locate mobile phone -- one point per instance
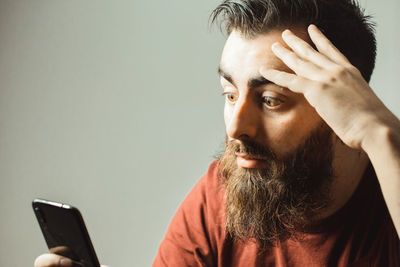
(65, 232)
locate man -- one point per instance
(311, 171)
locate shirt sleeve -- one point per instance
(190, 235)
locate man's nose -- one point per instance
(243, 122)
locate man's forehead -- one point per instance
(243, 57)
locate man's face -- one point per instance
(262, 112)
(277, 165)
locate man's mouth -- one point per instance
(249, 161)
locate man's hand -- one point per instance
(332, 85)
(344, 100)
(54, 260)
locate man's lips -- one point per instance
(249, 161)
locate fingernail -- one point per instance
(276, 45)
(286, 32)
(65, 262)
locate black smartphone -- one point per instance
(65, 232)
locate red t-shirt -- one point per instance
(360, 234)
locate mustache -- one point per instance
(250, 148)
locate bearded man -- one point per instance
(309, 146)
(311, 171)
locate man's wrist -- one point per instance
(381, 134)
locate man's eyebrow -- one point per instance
(226, 76)
(257, 81)
(252, 83)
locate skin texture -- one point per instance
(282, 127)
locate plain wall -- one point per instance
(115, 107)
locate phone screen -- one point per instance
(65, 232)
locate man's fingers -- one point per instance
(291, 81)
(53, 260)
(326, 47)
(50, 260)
(306, 51)
(299, 66)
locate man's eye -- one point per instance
(230, 97)
(272, 102)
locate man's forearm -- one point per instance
(383, 149)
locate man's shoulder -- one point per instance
(202, 211)
(209, 186)
(212, 177)
(197, 227)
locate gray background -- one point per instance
(114, 107)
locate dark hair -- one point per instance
(342, 21)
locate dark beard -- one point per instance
(270, 204)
